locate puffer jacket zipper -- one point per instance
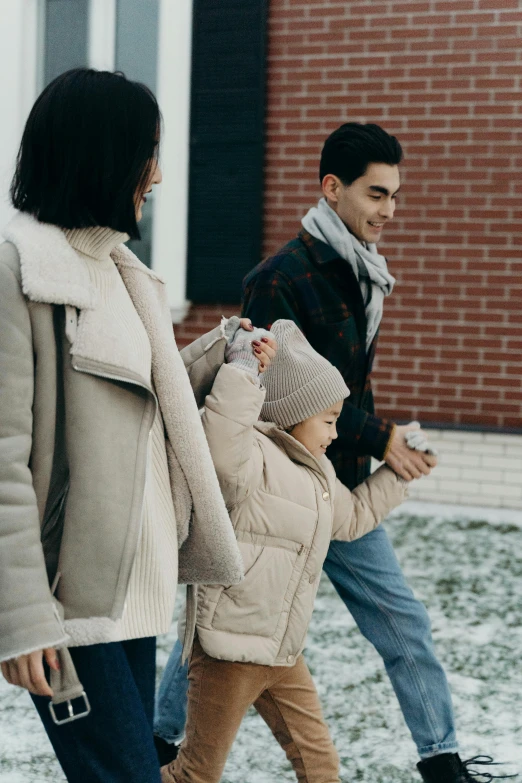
(301, 549)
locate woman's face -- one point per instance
(154, 178)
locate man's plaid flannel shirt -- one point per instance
(307, 282)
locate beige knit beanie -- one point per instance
(300, 382)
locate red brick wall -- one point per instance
(445, 77)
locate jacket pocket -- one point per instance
(254, 606)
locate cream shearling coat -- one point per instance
(75, 419)
(286, 506)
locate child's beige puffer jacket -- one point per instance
(286, 507)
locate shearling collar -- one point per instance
(51, 270)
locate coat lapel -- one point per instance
(209, 553)
(51, 271)
(325, 257)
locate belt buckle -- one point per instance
(72, 715)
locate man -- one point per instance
(332, 282)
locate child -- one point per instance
(286, 505)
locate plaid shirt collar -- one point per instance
(320, 251)
(323, 254)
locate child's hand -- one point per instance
(251, 349)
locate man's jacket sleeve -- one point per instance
(269, 296)
(368, 434)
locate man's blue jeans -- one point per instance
(369, 579)
(114, 743)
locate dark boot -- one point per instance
(166, 751)
(449, 768)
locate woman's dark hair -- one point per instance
(349, 150)
(87, 149)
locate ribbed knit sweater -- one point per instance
(151, 593)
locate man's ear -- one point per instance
(330, 186)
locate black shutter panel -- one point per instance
(226, 147)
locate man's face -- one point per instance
(368, 203)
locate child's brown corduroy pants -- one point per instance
(220, 694)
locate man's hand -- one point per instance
(407, 463)
(27, 671)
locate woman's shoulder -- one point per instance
(9, 260)
(10, 277)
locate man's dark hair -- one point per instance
(88, 147)
(349, 150)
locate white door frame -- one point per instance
(169, 231)
(102, 34)
(21, 49)
(169, 227)
(21, 35)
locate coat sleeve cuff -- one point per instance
(31, 633)
(390, 439)
(376, 437)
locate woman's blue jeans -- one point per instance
(114, 743)
(369, 579)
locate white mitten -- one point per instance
(417, 441)
(240, 353)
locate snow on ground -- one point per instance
(466, 565)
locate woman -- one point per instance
(104, 467)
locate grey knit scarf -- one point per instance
(369, 267)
